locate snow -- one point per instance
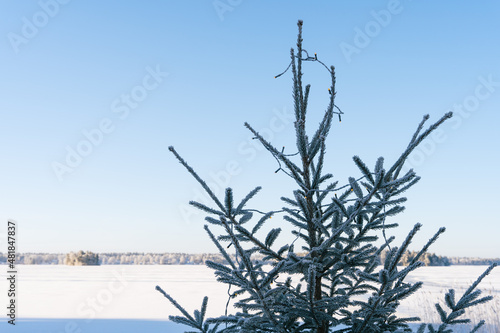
(122, 298)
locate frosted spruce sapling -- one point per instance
(338, 225)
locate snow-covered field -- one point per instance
(72, 299)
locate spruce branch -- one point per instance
(416, 140)
(199, 316)
(294, 170)
(195, 175)
(253, 279)
(246, 199)
(468, 299)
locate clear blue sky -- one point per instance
(139, 76)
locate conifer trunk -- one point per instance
(317, 296)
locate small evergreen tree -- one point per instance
(337, 224)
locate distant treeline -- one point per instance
(429, 259)
(129, 258)
(137, 258)
(81, 258)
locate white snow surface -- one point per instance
(122, 298)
